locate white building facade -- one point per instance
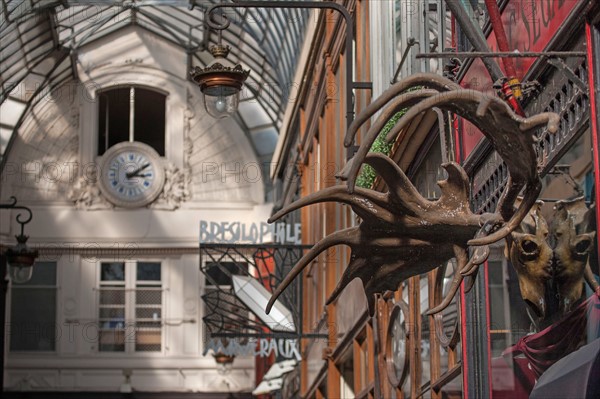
(114, 304)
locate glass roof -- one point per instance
(41, 38)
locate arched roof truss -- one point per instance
(41, 38)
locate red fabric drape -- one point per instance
(546, 347)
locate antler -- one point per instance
(403, 234)
(511, 136)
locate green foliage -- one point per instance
(367, 175)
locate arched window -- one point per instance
(131, 114)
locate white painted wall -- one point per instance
(60, 135)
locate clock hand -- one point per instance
(129, 175)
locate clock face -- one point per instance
(132, 174)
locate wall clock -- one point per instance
(132, 174)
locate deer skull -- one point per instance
(531, 256)
(574, 241)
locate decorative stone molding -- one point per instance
(74, 117)
(86, 195)
(101, 250)
(189, 115)
(175, 190)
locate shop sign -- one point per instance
(263, 347)
(249, 233)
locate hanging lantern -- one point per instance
(220, 82)
(20, 260)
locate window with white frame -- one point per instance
(33, 311)
(131, 114)
(130, 306)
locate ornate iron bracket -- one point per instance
(409, 44)
(20, 258)
(22, 222)
(351, 85)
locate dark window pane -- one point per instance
(149, 120)
(33, 311)
(148, 313)
(112, 340)
(148, 271)
(44, 273)
(113, 118)
(220, 273)
(148, 297)
(113, 271)
(112, 297)
(102, 123)
(112, 313)
(33, 319)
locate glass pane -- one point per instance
(453, 390)
(148, 297)
(113, 271)
(148, 325)
(44, 273)
(112, 341)
(347, 375)
(33, 319)
(112, 313)
(112, 296)
(150, 119)
(147, 340)
(148, 271)
(113, 118)
(364, 361)
(148, 313)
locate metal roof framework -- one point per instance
(41, 38)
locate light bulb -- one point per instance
(221, 104)
(20, 274)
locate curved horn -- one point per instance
(399, 185)
(470, 281)
(347, 278)
(405, 100)
(550, 119)
(529, 198)
(346, 236)
(455, 189)
(377, 202)
(461, 259)
(427, 80)
(480, 255)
